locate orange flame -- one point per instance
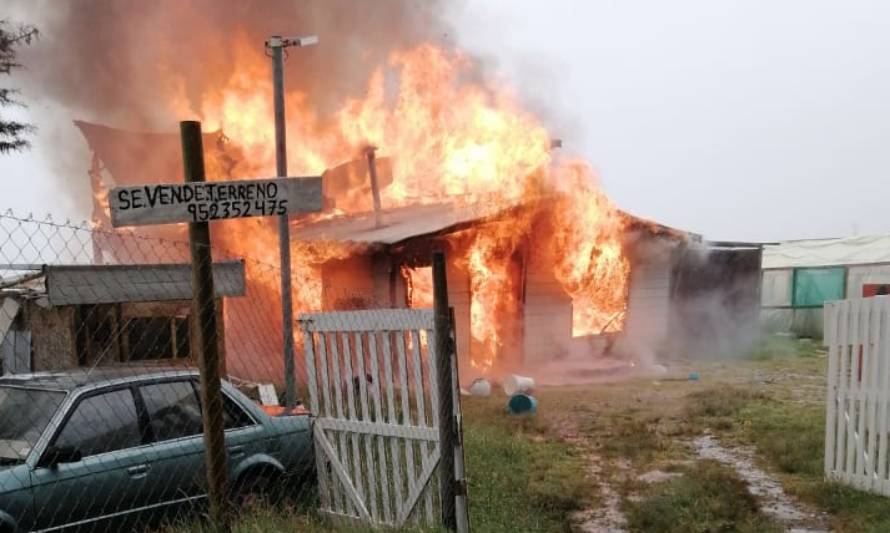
(450, 138)
(419, 282)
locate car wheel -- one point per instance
(254, 489)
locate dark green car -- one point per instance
(108, 450)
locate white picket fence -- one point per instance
(373, 391)
(857, 333)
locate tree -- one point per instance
(12, 36)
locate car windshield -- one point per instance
(24, 414)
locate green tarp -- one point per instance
(815, 286)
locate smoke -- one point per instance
(716, 303)
(113, 59)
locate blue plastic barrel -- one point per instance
(522, 404)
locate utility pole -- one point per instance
(206, 336)
(277, 44)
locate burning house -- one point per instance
(541, 263)
(557, 272)
(533, 317)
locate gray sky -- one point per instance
(754, 119)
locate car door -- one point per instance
(245, 438)
(177, 450)
(109, 482)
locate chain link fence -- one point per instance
(101, 423)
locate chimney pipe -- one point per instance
(375, 190)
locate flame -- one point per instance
(587, 250)
(419, 282)
(452, 134)
(492, 288)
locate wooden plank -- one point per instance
(843, 382)
(170, 203)
(391, 407)
(396, 431)
(8, 312)
(417, 488)
(419, 394)
(368, 439)
(406, 405)
(861, 389)
(320, 467)
(94, 284)
(378, 419)
(370, 320)
(884, 399)
(852, 389)
(349, 491)
(434, 380)
(336, 499)
(871, 434)
(341, 445)
(311, 378)
(460, 499)
(831, 333)
(350, 396)
(433, 363)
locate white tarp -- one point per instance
(775, 291)
(825, 252)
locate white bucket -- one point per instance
(515, 384)
(480, 387)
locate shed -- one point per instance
(55, 317)
(800, 276)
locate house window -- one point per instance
(105, 337)
(157, 337)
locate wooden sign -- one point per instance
(213, 200)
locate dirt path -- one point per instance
(606, 516)
(774, 501)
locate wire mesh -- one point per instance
(101, 422)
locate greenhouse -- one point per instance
(798, 277)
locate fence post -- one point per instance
(206, 335)
(445, 350)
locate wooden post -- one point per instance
(375, 189)
(461, 506)
(447, 429)
(206, 336)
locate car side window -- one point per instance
(102, 423)
(173, 409)
(234, 415)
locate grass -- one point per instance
(788, 433)
(522, 477)
(791, 440)
(530, 473)
(706, 497)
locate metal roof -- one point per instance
(398, 224)
(94, 284)
(403, 223)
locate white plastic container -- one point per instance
(480, 387)
(515, 384)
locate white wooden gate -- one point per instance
(373, 391)
(857, 333)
